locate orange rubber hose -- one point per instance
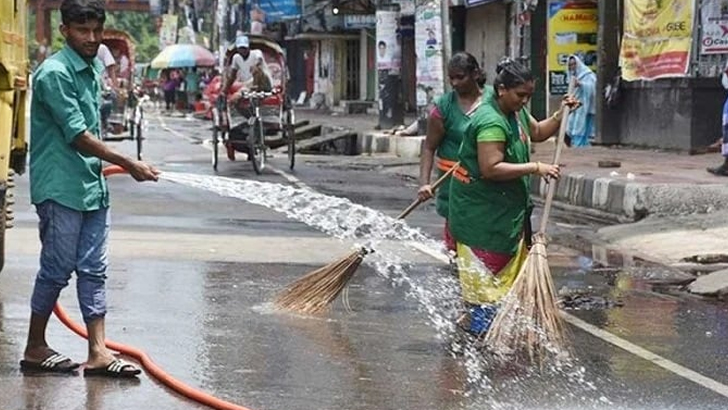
(152, 368)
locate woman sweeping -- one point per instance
(581, 122)
(489, 212)
(446, 124)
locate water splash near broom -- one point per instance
(314, 292)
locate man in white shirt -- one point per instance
(243, 63)
(107, 59)
(109, 79)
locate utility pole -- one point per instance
(221, 22)
(609, 34)
(446, 40)
(389, 64)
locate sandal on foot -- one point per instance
(720, 171)
(116, 369)
(55, 363)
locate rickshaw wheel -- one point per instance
(256, 146)
(215, 147)
(137, 125)
(290, 138)
(139, 140)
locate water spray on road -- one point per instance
(437, 295)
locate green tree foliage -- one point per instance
(141, 27)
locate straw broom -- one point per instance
(314, 292)
(529, 319)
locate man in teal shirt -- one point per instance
(70, 192)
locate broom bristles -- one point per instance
(528, 320)
(314, 292)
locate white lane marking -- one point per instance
(207, 144)
(173, 132)
(645, 354)
(290, 178)
(630, 347)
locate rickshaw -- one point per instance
(127, 116)
(271, 121)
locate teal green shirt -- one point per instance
(65, 103)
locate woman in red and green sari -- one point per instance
(490, 209)
(446, 124)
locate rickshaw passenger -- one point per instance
(110, 83)
(244, 63)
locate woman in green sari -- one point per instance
(489, 213)
(446, 123)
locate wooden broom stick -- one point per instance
(565, 110)
(436, 185)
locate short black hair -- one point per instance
(382, 43)
(511, 74)
(82, 11)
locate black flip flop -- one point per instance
(116, 369)
(55, 363)
(719, 171)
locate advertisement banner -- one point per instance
(168, 31)
(428, 47)
(714, 22)
(388, 48)
(657, 38)
(572, 28)
(278, 10)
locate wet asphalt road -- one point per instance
(193, 276)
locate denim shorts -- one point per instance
(72, 241)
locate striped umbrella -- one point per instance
(184, 55)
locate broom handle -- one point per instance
(565, 110)
(434, 186)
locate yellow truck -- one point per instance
(14, 84)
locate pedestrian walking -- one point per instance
(490, 205)
(169, 87)
(722, 170)
(192, 85)
(581, 122)
(446, 124)
(70, 193)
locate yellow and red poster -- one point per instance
(572, 31)
(657, 38)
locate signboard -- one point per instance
(406, 7)
(430, 56)
(168, 31)
(155, 7)
(276, 10)
(572, 28)
(657, 38)
(714, 22)
(359, 21)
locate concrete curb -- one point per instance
(610, 198)
(382, 143)
(631, 200)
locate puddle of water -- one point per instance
(437, 295)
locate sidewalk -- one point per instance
(648, 182)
